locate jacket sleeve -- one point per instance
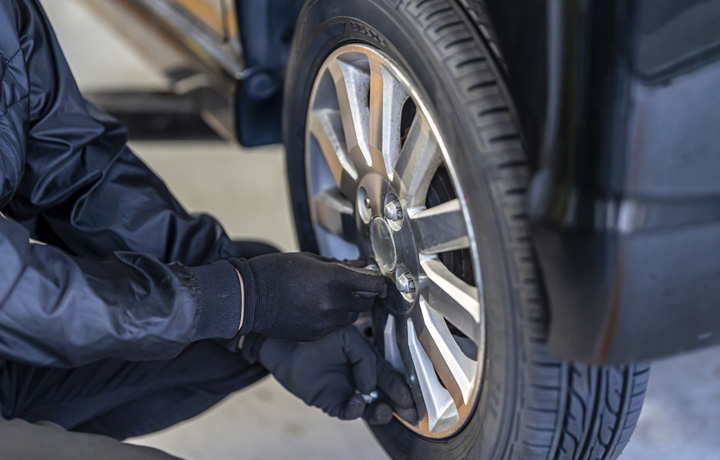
(83, 189)
(59, 310)
(107, 289)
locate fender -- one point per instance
(625, 200)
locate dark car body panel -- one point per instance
(625, 201)
(266, 30)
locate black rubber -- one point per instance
(531, 406)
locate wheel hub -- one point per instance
(384, 239)
(383, 245)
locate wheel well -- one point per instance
(266, 31)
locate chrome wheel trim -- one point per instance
(367, 187)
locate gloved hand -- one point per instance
(303, 296)
(326, 373)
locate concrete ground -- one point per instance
(246, 191)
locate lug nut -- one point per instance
(393, 211)
(405, 283)
(367, 202)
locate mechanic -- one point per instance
(135, 315)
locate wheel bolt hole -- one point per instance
(364, 205)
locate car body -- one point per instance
(619, 107)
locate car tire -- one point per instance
(530, 404)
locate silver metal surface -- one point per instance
(392, 351)
(383, 245)
(442, 413)
(371, 163)
(372, 266)
(393, 211)
(405, 283)
(369, 398)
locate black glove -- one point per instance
(304, 296)
(326, 373)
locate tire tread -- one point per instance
(569, 411)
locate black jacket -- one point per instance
(126, 273)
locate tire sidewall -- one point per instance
(326, 25)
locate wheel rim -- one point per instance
(373, 154)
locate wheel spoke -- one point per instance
(419, 158)
(440, 407)
(325, 126)
(392, 351)
(456, 300)
(441, 228)
(387, 97)
(352, 85)
(334, 213)
(455, 369)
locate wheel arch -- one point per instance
(612, 208)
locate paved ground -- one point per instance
(246, 191)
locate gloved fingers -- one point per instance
(361, 270)
(409, 415)
(336, 320)
(360, 267)
(362, 358)
(352, 317)
(381, 293)
(312, 255)
(396, 392)
(378, 413)
(366, 294)
(272, 352)
(393, 385)
(359, 303)
(362, 279)
(357, 263)
(352, 409)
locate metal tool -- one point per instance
(369, 398)
(372, 266)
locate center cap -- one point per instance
(383, 245)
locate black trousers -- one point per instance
(122, 399)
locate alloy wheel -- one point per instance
(382, 188)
